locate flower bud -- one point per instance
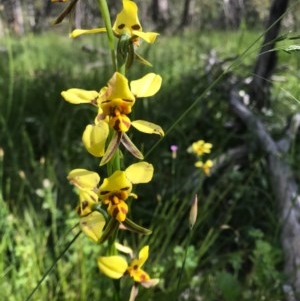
(193, 212)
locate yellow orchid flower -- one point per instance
(200, 147)
(95, 135)
(116, 266)
(91, 222)
(114, 103)
(117, 99)
(86, 182)
(116, 189)
(126, 23)
(206, 166)
(134, 269)
(87, 199)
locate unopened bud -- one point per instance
(1, 153)
(193, 212)
(22, 174)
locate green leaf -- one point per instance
(229, 286)
(133, 227)
(292, 48)
(142, 60)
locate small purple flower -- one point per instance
(174, 149)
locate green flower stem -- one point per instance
(113, 251)
(111, 241)
(181, 272)
(1, 174)
(123, 52)
(114, 163)
(122, 68)
(117, 286)
(110, 233)
(111, 39)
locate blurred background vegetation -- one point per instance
(26, 16)
(235, 253)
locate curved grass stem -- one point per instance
(52, 266)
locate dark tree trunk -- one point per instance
(161, 13)
(233, 11)
(18, 24)
(79, 14)
(186, 14)
(14, 16)
(266, 60)
(41, 16)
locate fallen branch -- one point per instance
(284, 187)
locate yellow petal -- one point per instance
(127, 19)
(77, 96)
(120, 123)
(112, 266)
(143, 255)
(100, 117)
(118, 88)
(199, 164)
(209, 163)
(88, 197)
(147, 127)
(118, 211)
(92, 225)
(83, 178)
(78, 32)
(141, 172)
(94, 138)
(138, 275)
(146, 86)
(117, 181)
(149, 37)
